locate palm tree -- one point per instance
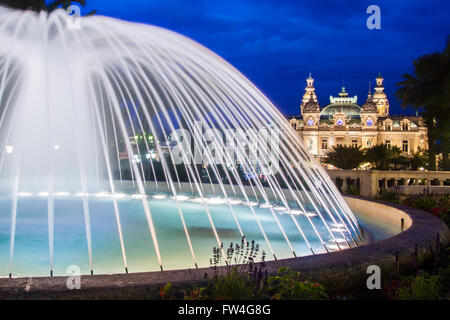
(384, 157)
(418, 160)
(40, 5)
(344, 157)
(428, 91)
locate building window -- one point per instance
(405, 126)
(354, 143)
(310, 144)
(324, 144)
(294, 125)
(388, 143)
(405, 146)
(369, 143)
(388, 127)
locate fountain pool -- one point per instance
(31, 243)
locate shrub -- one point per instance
(425, 202)
(353, 190)
(240, 278)
(391, 196)
(421, 287)
(287, 285)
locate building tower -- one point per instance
(380, 98)
(309, 90)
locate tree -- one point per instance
(344, 157)
(40, 5)
(428, 91)
(383, 157)
(418, 160)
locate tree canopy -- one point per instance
(41, 5)
(428, 91)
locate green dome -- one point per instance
(351, 110)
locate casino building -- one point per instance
(344, 122)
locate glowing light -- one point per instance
(180, 198)
(62, 194)
(234, 201)
(102, 194)
(338, 230)
(43, 194)
(215, 201)
(9, 149)
(81, 194)
(24, 194)
(198, 200)
(159, 196)
(265, 205)
(56, 147)
(137, 196)
(310, 214)
(338, 225)
(280, 208)
(251, 204)
(119, 195)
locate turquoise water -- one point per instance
(31, 253)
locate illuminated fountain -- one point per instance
(113, 124)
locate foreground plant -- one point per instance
(237, 276)
(288, 285)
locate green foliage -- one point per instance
(428, 91)
(287, 285)
(420, 287)
(426, 203)
(419, 159)
(239, 278)
(390, 196)
(233, 286)
(236, 276)
(344, 157)
(438, 205)
(383, 157)
(165, 292)
(194, 293)
(353, 190)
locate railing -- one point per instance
(371, 182)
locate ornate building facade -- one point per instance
(344, 122)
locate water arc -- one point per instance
(118, 110)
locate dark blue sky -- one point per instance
(276, 43)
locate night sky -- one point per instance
(276, 43)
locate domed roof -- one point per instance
(351, 110)
(342, 104)
(311, 105)
(369, 105)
